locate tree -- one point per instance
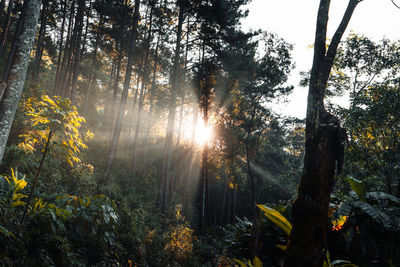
(323, 151)
(121, 113)
(16, 78)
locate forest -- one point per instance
(141, 133)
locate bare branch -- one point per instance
(396, 5)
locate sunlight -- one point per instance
(203, 134)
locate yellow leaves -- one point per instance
(283, 247)
(39, 204)
(16, 185)
(233, 186)
(277, 218)
(20, 184)
(180, 243)
(58, 115)
(18, 196)
(17, 203)
(256, 263)
(338, 224)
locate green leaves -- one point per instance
(357, 186)
(277, 218)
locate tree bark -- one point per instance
(16, 78)
(124, 97)
(6, 26)
(40, 45)
(16, 39)
(145, 81)
(60, 47)
(92, 69)
(77, 53)
(307, 244)
(167, 153)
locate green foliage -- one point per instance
(68, 231)
(277, 218)
(371, 227)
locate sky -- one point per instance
(295, 21)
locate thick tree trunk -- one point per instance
(16, 78)
(307, 244)
(124, 97)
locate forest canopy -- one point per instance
(142, 133)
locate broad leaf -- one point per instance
(357, 186)
(277, 218)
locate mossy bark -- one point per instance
(15, 80)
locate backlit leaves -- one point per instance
(59, 116)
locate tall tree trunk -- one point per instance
(60, 47)
(63, 83)
(167, 153)
(182, 85)
(124, 97)
(145, 81)
(40, 43)
(307, 244)
(221, 218)
(77, 54)
(92, 68)
(149, 122)
(84, 41)
(6, 26)
(16, 78)
(15, 41)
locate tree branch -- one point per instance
(330, 55)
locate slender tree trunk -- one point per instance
(6, 26)
(114, 111)
(40, 43)
(16, 39)
(307, 245)
(221, 218)
(36, 179)
(152, 93)
(63, 84)
(77, 54)
(60, 47)
(16, 78)
(145, 81)
(2, 5)
(108, 104)
(252, 184)
(167, 153)
(182, 86)
(92, 69)
(84, 42)
(124, 97)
